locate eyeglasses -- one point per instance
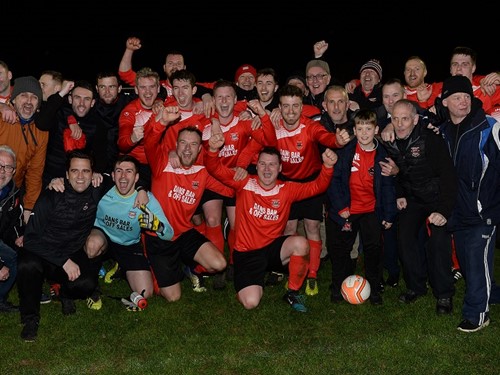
(7, 168)
(317, 77)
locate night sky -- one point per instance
(81, 38)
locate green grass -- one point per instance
(210, 333)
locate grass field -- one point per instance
(210, 333)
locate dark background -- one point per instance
(82, 38)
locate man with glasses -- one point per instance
(10, 226)
(318, 78)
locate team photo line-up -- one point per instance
(249, 180)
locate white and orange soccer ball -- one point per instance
(355, 289)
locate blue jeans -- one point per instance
(9, 257)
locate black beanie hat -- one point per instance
(27, 84)
(456, 84)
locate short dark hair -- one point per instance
(271, 151)
(224, 83)
(191, 129)
(85, 85)
(291, 90)
(128, 158)
(183, 75)
(79, 153)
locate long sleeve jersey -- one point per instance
(261, 214)
(118, 218)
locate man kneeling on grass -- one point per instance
(262, 208)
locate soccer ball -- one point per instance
(355, 289)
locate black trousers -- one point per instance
(340, 244)
(434, 263)
(33, 270)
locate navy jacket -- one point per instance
(339, 195)
(475, 151)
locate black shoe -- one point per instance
(392, 281)
(274, 278)
(444, 306)
(45, 298)
(8, 307)
(468, 326)
(381, 287)
(219, 281)
(408, 297)
(336, 298)
(30, 330)
(68, 306)
(376, 299)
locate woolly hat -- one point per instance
(27, 84)
(318, 63)
(245, 68)
(456, 84)
(372, 64)
(298, 76)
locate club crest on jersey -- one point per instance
(234, 137)
(195, 185)
(275, 203)
(299, 145)
(132, 214)
(415, 151)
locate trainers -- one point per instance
(94, 304)
(295, 300)
(274, 278)
(8, 307)
(467, 326)
(45, 298)
(196, 280)
(392, 281)
(108, 278)
(30, 330)
(68, 306)
(311, 287)
(457, 275)
(219, 281)
(54, 290)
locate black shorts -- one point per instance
(129, 257)
(167, 258)
(208, 195)
(250, 267)
(310, 208)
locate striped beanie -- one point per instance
(372, 64)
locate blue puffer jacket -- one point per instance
(339, 196)
(476, 156)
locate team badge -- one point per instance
(415, 151)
